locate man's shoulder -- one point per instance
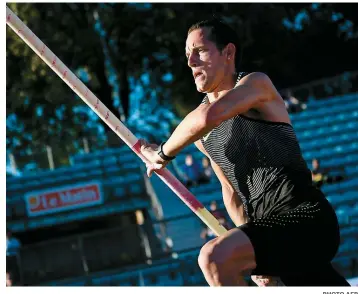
(260, 80)
(255, 77)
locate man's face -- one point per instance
(205, 162)
(315, 164)
(188, 160)
(208, 65)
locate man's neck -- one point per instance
(221, 90)
(213, 96)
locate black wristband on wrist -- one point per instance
(162, 155)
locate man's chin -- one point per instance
(200, 89)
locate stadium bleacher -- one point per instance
(327, 130)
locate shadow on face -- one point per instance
(209, 66)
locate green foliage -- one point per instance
(150, 38)
(42, 103)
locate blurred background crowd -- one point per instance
(80, 209)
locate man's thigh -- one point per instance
(287, 250)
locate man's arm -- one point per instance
(253, 92)
(232, 201)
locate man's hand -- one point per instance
(150, 151)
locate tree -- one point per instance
(41, 107)
(133, 56)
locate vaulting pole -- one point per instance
(108, 117)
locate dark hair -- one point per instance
(221, 34)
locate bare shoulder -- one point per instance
(272, 107)
(260, 80)
(255, 77)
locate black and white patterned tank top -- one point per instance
(263, 162)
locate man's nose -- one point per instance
(192, 61)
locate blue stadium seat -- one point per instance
(349, 246)
(352, 169)
(347, 196)
(110, 160)
(323, 131)
(324, 112)
(349, 231)
(332, 101)
(327, 129)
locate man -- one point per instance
(285, 226)
(321, 176)
(217, 213)
(192, 171)
(293, 105)
(318, 175)
(207, 170)
(13, 245)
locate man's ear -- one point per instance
(230, 51)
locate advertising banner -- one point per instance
(61, 199)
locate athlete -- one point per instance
(285, 227)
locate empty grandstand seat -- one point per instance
(348, 247)
(352, 169)
(331, 140)
(327, 129)
(332, 106)
(349, 232)
(340, 187)
(331, 101)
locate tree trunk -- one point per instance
(104, 93)
(112, 139)
(124, 88)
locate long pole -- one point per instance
(107, 116)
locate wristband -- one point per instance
(162, 155)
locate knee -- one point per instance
(224, 255)
(210, 254)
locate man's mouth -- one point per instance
(198, 75)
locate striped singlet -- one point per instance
(263, 162)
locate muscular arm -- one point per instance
(232, 201)
(253, 92)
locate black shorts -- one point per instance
(303, 241)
